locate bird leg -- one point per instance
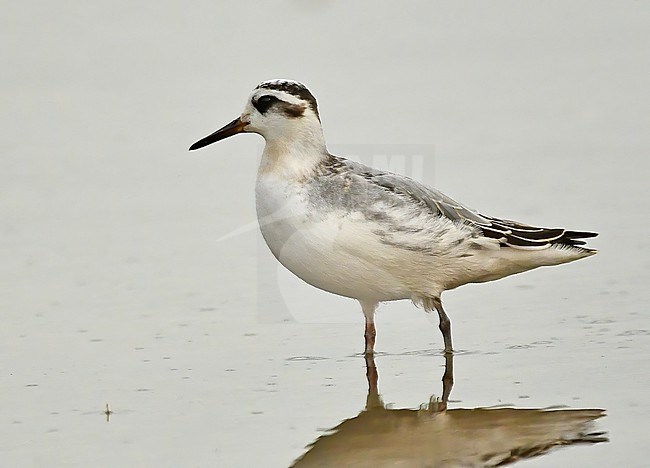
(445, 324)
(370, 335)
(370, 332)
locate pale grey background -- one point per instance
(115, 289)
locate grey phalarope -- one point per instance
(372, 235)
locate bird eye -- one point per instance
(263, 103)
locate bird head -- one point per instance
(278, 110)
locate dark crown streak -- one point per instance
(295, 89)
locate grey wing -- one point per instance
(509, 233)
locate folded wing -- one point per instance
(508, 233)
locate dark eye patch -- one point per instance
(264, 103)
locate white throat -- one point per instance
(294, 152)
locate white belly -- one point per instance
(331, 251)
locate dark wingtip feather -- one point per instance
(580, 234)
(572, 238)
(523, 236)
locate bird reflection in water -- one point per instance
(435, 436)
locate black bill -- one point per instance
(234, 127)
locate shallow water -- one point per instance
(122, 286)
(436, 435)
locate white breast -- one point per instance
(327, 249)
